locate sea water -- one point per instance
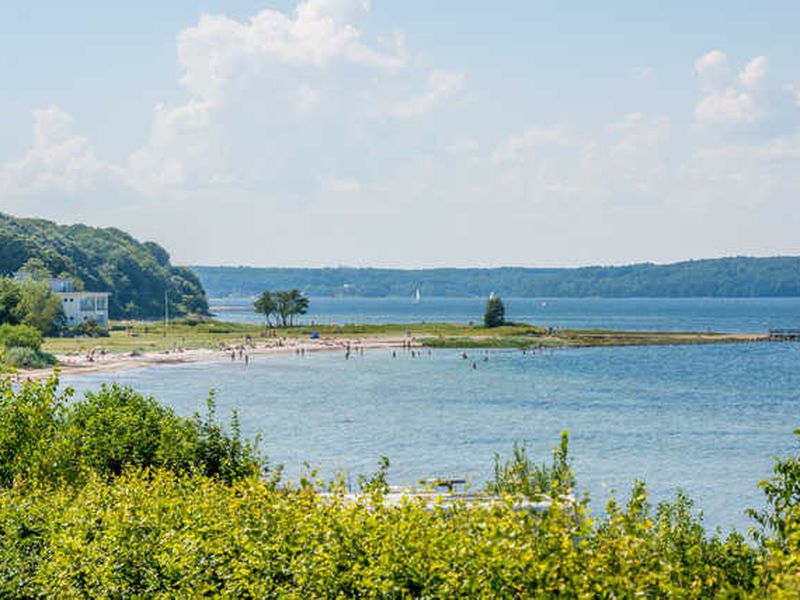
(651, 314)
(708, 419)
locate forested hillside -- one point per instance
(724, 277)
(137, 274)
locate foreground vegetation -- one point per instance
(114, 495)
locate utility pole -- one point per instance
(166, 313)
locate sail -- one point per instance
(417, 297)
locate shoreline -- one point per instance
(110, 362)
(98, 360)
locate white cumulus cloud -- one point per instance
(731, 100)
(59, 159)
(442, 86)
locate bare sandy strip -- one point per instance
(99, 362)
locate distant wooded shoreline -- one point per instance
(738, 277)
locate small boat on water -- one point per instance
(417, 296)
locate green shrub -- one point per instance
(109, 431)
(115, 496)
(520, 475)
(780, 518)
(90, 328)
(20, 336)
(27, 358)
(155, 533)
(29, 420)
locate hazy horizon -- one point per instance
(496, 266)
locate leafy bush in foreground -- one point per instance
(47, 437)
(159, 534)
(115, 496)
(520, 475)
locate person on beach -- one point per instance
(246, 359)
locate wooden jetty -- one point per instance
(784, 335)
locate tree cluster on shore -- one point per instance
(284, 305)
(105, 260)
(28, 311)
(114, 495)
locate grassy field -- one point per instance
(138, 336)
(129, 336)
(150, 337)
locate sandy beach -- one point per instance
(99, 361)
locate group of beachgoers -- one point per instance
(243, 353)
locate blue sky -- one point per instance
(411, 133)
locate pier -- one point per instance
(784, 335)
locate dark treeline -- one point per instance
(724, 277)
(106, 260)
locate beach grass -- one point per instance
(141, 336)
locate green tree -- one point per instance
(298, 304)
(289, 304)
(282, 306)
(495, 314)
(9, 298)
(40, 308)
(266, 305)
(36, 268)
(20, 336)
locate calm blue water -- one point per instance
(660, 314)
(706, 418)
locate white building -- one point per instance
(82, 306)
(78, 306)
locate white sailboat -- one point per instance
(417, 296)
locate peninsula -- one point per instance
(133, 344)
